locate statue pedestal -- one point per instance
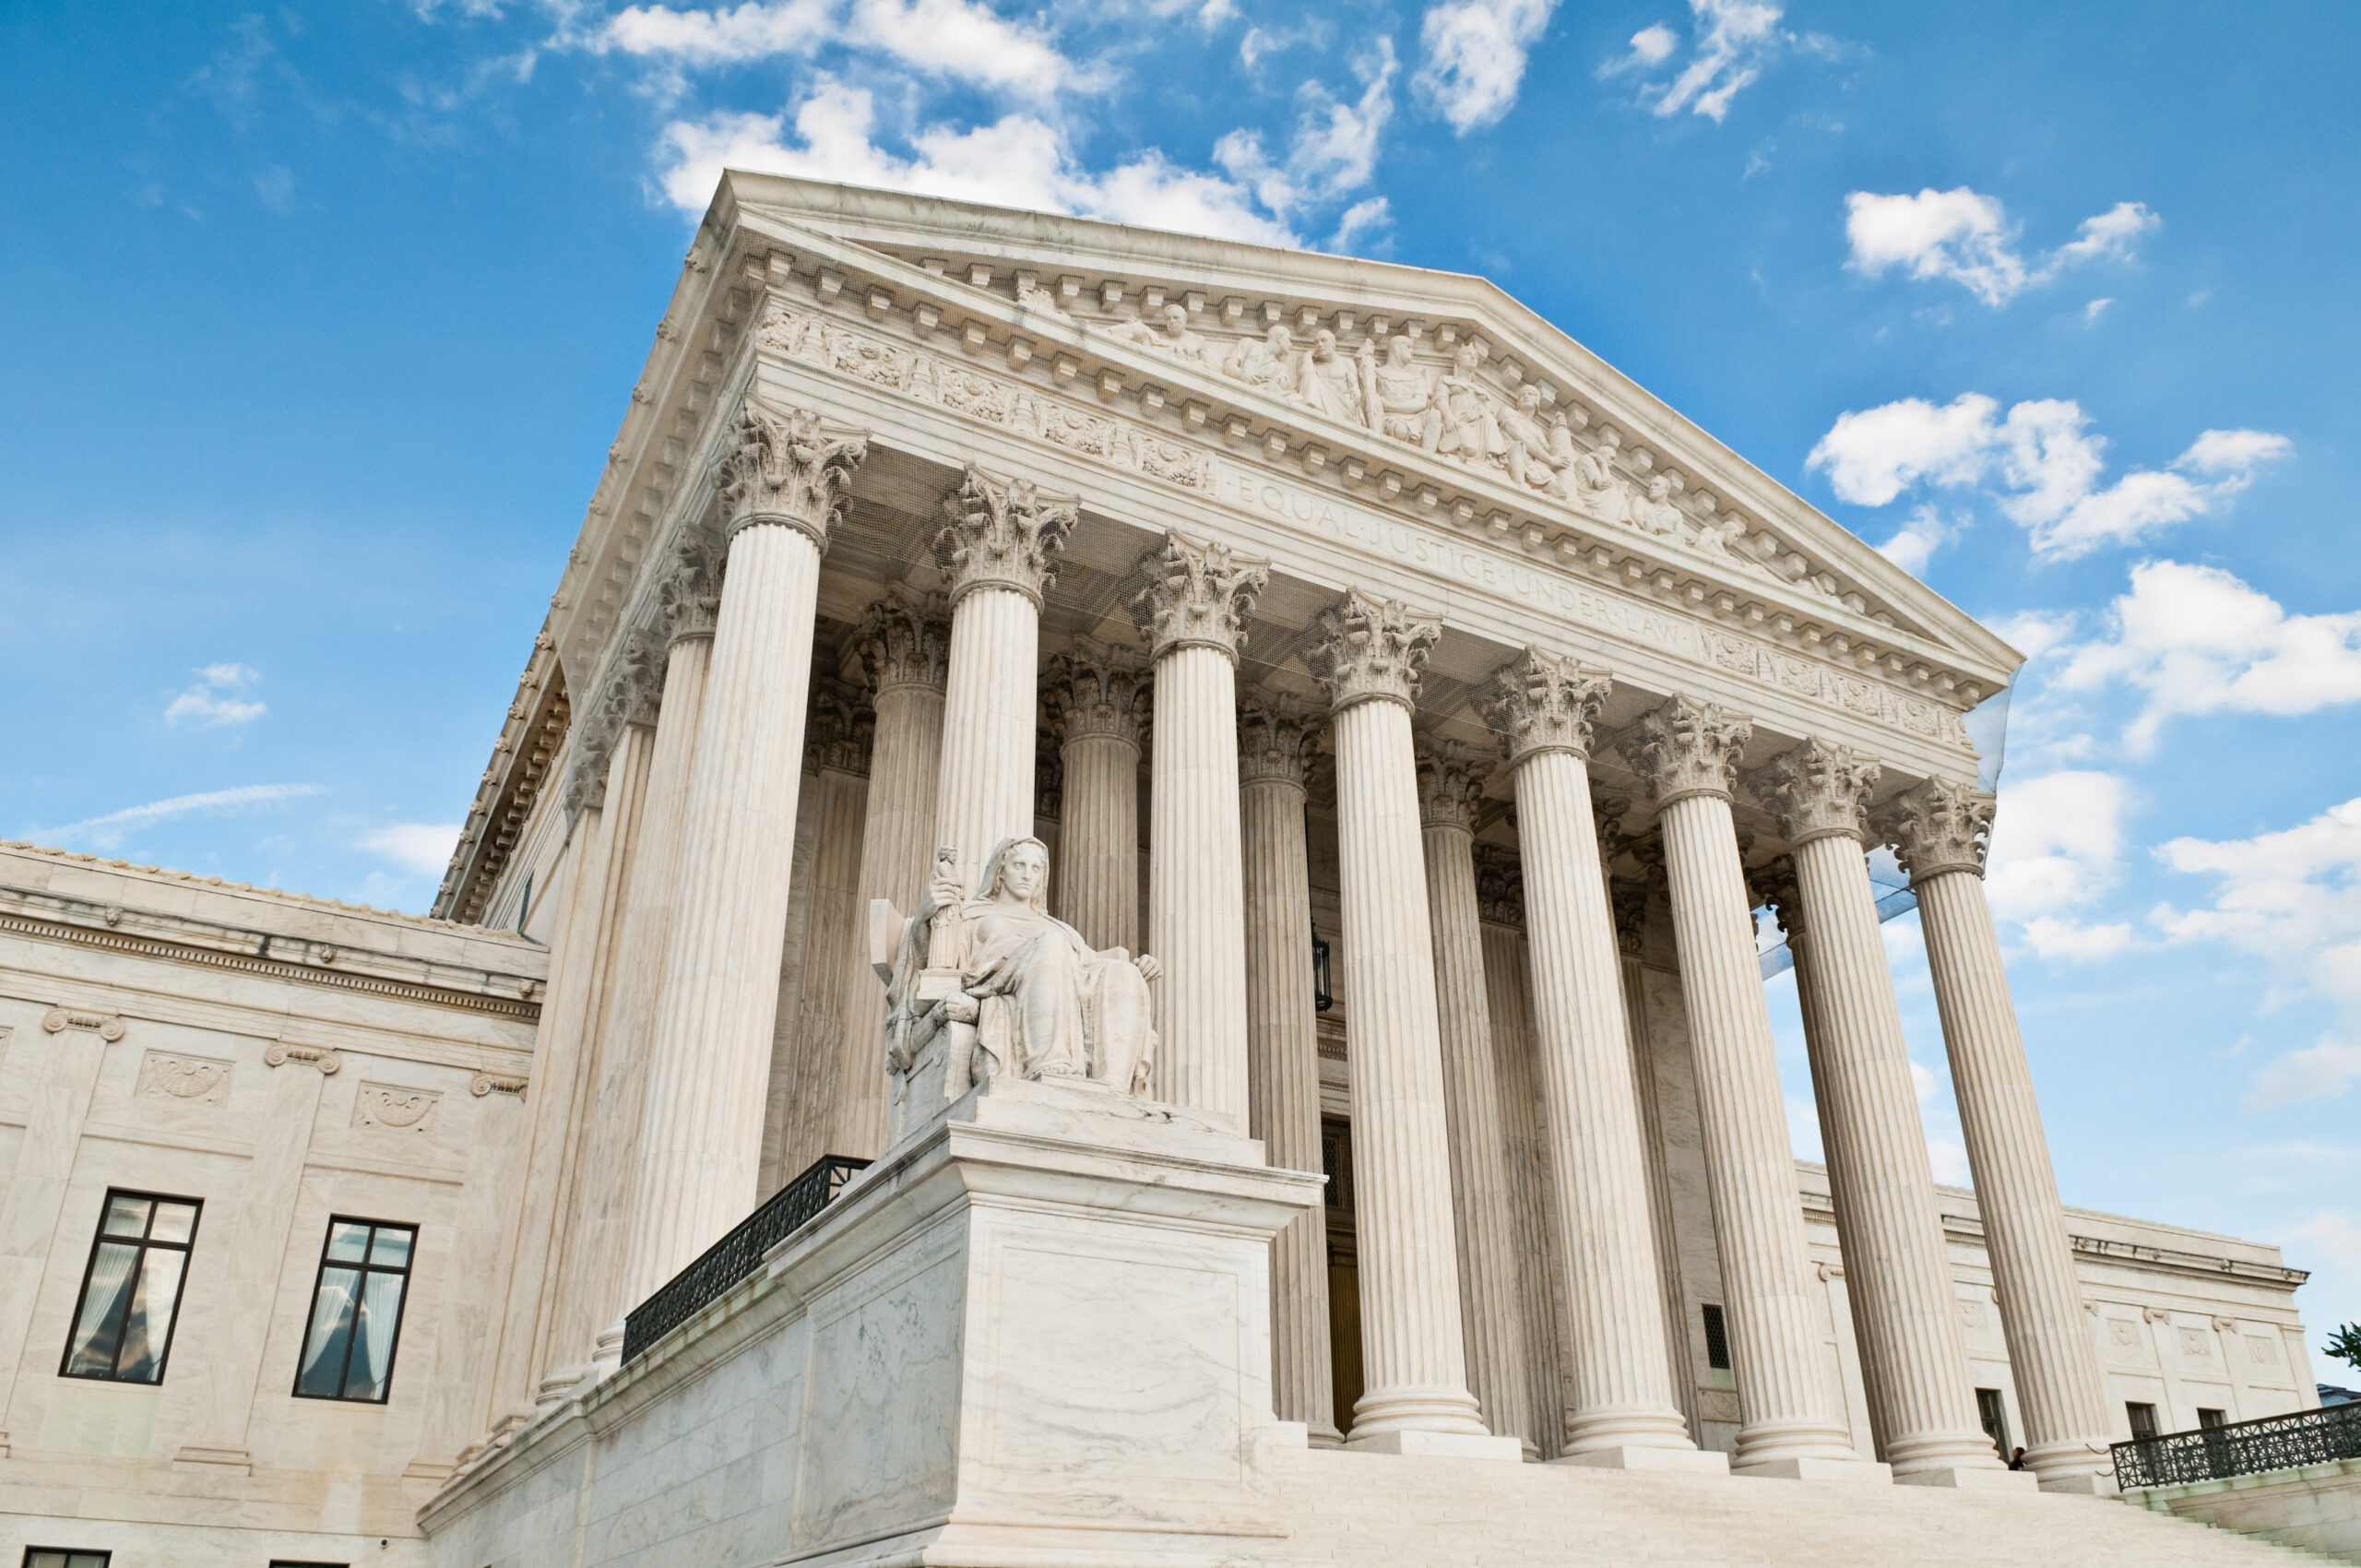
(1039, 1334)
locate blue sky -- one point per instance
(315, 322)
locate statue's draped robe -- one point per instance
(1052, 1006)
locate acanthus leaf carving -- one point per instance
(904, 639)
(1542, 702)
(1097, 689)
(1002, 533)
(1817, 790)
(1199, 593)
(1363, 648)
(787, 466)
(1499, 886)
(1683, 747)
(1451, 782)
(1939, 825)
(1277, 737)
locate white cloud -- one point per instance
(2034, 632)
(2314, 1073)
(2196, 640)
(2057, 845)
(1732, 40)
(1018, 161)
(1475, 56)
(213, 700)
(1915, 543)
(1333, 150)
(1949, 1158)
(418, 846)
(1965, 236)
(2072, 941)
(954, 39)
(107, 832)
(2090, 312)
(2047, 463)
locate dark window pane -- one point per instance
(175, 1223)
(106, 1301)
(43, 1557)
(126, 1216)
(372, 1348)
(330, 1335)
(150, 1321)
(392, 1248)
(348, 1242)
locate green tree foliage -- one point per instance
(2345, 1343)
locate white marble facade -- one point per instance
(1268, 596)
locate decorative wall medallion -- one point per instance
(1972, 1314)
(2122, 1332)
(2260, 1349)
(198, 1079)
(279, 1054)
(106, 1026)
(2192, 1342)
(387, 1105)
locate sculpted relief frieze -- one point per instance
(1003, 402)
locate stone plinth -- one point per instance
(1037, 1332)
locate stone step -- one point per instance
(1383, 1511)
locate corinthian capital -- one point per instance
(1543, 702)
(1774, 887)
(1451, 782)
(1940, 825)
(1097, 690)
(787, 467)
(1199, 593)
(1275, 739)
(1682, 748)
(1817, 791)
(904, 640)
(688, 597)
(840, 730)
(1002, 533)
(1363, 646)
(1499, 886)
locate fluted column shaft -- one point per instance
(2058, 1385)
(1283, 1065)
(985, 792)
(830, 1070)
(1493, 1314)
(1099, 838)
(1906, 1314)
(1532, 1206)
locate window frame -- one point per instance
(99, 1238)
(2155, 1429)
(1716, 1325)
(1992, 1409)
(105, 1557)
(311, 1307)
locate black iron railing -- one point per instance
(2244, 1448)
(736, 1254)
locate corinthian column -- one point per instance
(903, 645)
(782, 486)
(1095, 699)
(1940, 828)
(1897, 1279)
(1448, 786)
(1283, 1050)
(1192, 611)
(1687, 751)
(1367, 652)
(1623, 1412)
(998, 546)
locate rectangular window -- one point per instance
(1717, 1339)
(58, 1556)
(2207, 1420)
(355, 1311)
(131, 1292)
(1995, 1415)
(2144, 1421)
(290, 1562)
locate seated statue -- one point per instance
(980, 986)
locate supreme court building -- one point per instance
(1053, 739)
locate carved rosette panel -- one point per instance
(840, 731)
(1941, 824)
(1097, 690)
(1002, 533)
(1451, 783)
(1199, 593)
(1817, 791)
(192, 1080)
(904, 639)
(1276, 739)
(1544, 702)
(788, 466)
(396, 1109)
(1499, 886)
(1364, 647)
(1683, 747)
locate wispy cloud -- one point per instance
(1731, 43)
(954, 40)
(107, 832)
(1966, 237)
(418, 846)
(214, 701)
(1475, 57)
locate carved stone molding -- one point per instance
(1363, 648)
(788, 466)
(1097, 689)
(497, 1083)
(1544, 702)
(106, 1026)
(1682, 747)
(1049, 777)
(1628, 900)
(1199, 593)
(1277, 737)
(1451, 782)
(1817, 791)
(197, 1080)
(688, 595)
(280, 1052)
(396, 1109)
(1499, 886)
(629, 693)
(904, 639)
(1002, 533)
(840, 731)
(1774, 888)
(1941, 824)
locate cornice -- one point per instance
(530, 737)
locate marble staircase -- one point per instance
(1380, 1510)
